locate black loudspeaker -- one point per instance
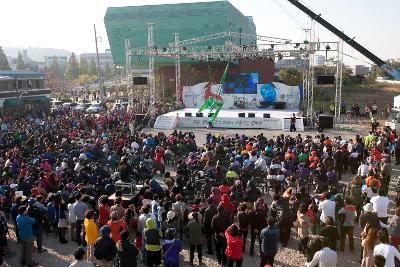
(251, 115)
(325, 79)
(188, 114)
(242, 115)
(210, 115)
(325, 122)
(279, 105)
(199, 115)
(140, 80)
(267, 115)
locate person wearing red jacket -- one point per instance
(234, 246)
(227, 204)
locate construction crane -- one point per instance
(350, 41)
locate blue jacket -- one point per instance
(269, 241)
(171, 249)
(25, 223)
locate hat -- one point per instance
(31, 201)
(368, 207)
(171, 214)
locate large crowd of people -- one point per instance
(225, 195)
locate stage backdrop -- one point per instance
(194, 96)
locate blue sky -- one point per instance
(69, 24)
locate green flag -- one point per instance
(221, 83)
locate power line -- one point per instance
(347, 55)
(289, 14)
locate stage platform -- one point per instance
(230, 118)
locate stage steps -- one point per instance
(165, 122)
(299, 125)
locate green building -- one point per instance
(189, 19)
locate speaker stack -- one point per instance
(251, 115)
(266, 115)
(199, 115)
(188, 114)
(325, 122)
(242, 115)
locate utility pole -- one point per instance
(177, 69)
(101, 94)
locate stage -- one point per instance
(230, 118)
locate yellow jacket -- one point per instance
(91, 231)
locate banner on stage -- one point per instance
(266, 94)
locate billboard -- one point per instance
(241, 83)
(194, 96)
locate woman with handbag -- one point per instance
(60, 218)
(171, 247)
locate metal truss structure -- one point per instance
(277, 48)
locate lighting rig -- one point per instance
(274, 49)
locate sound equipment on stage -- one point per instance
(242, 115)
(279, 105)
(199, 115)
(325, 121)
(188, 114)
(267, 115)
(325, 79)
(251, 115)
(210, 115)
(140, 80)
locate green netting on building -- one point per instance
(190, 20)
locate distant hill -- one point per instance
(36, 53)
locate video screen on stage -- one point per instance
(241, 83)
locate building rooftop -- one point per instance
(21, 74)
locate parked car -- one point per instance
(69, 105)
(96, 108)
(81, 107)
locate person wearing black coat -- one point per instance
(257, 223)
(284, 217)
(38, 215)
(244, 218)
(105, 249)
(127, 252)
(209, 213)
(219, 224)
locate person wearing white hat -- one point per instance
(171, 222)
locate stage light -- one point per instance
(244, 46)
(184, 48)
(272, 46)
(328, 47)
(297, 45)
(306, 42)
(280, 56)
(164, 49)
(209, 47)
